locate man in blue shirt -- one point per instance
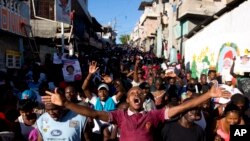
(60, 124)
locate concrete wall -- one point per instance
(229, 33)
(200, 7)
(44, 29)
(150, 26)
(45, 50)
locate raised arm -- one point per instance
(214, 92)
(86, 111)
(85, 86)
(130, 73)
(232, 68)
(135, 75)
(56, 99)
(120, 91)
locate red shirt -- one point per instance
(139, 126)
(2, 116)
(179, 56)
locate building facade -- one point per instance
(174, 22)
(13, 14)
(218, 40)
(53, 36)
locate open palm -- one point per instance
(54, 98)
(107, 79)
(93, 67)
(219, 92)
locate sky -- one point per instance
(121, 14)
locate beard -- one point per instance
(224, 74)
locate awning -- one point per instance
(145, 3)
(96, 25)
(95, 43)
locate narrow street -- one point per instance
(124, 70)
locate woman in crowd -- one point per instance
(26, 122)
(231, 116)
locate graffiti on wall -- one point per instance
(227, 53)
(242, 63)
(218, 43)
(219, 59)
(201, 62)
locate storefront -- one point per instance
(12, 15)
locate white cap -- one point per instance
(228, 77)
(164, 66)
(103, 85)
(170, 69)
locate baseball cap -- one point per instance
(228, 77)
(103, 85)
(28, 94)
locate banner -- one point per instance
(63, 9)
(71, 70)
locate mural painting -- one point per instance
(220, 59)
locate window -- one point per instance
(13, 59)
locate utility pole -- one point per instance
(62, 37)
(159, 30)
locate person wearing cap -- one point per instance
(102, 102)
(134, 123)
(228, 86)
(148, 104)
(221, 103)
(28, 94)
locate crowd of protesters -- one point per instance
(125, 95)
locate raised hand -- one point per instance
(219, 92)
(54, 98)
(93, 67)
(171, 74)
(138, 60)
(118, 85)
(107, 79)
